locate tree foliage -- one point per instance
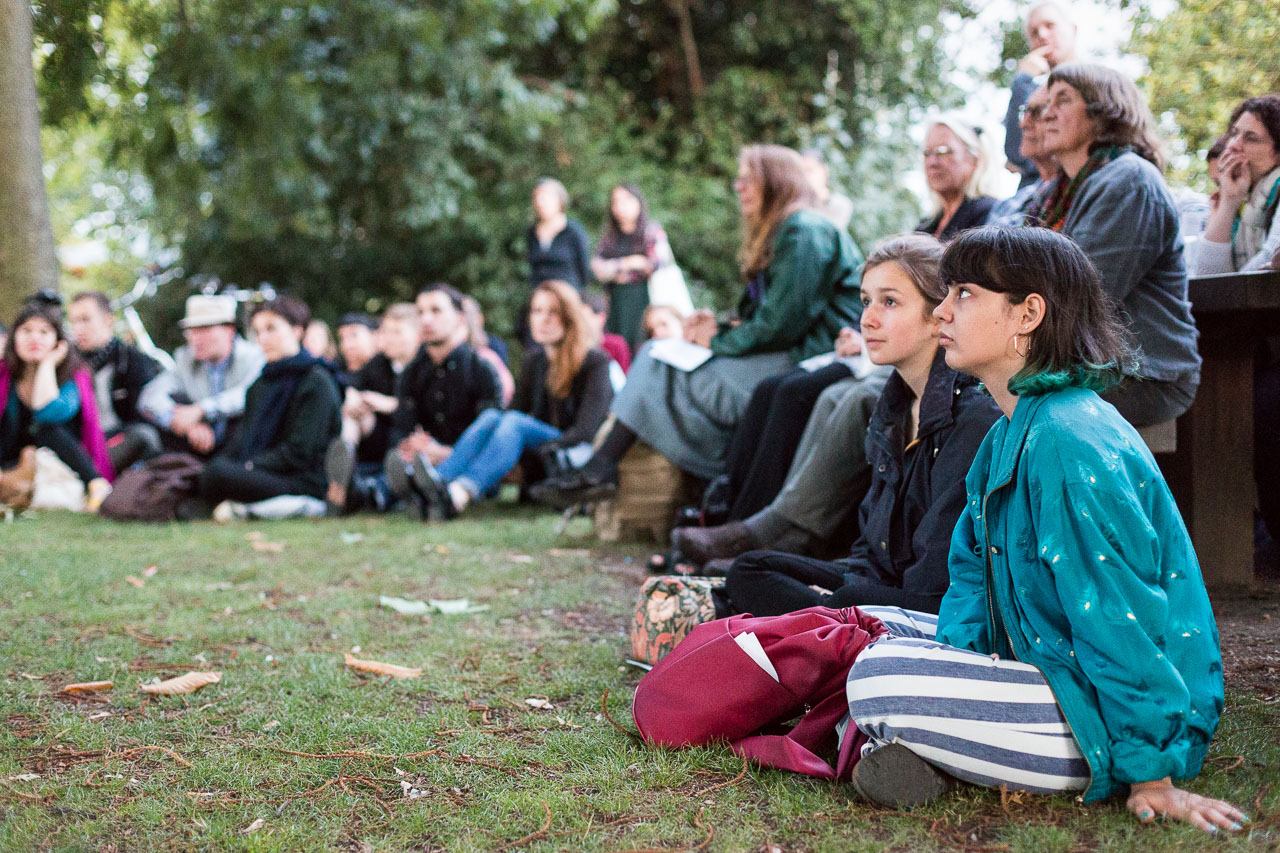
(1204, 58)
(350, 151)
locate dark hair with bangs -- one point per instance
(50, 312)
(1081, 340)
(289, 308)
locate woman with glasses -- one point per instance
(1243, 231)
(955, 167)
(1110, 198)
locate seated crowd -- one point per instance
(943, 433)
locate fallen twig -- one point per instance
(166, 750)
(741, 775)
(533, 836)
(697, 821)
(350, 753)
(604, 709)
(22, 795)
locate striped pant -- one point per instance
(989, 722)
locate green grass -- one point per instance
(276, 626)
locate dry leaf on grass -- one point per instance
(381, 668)
(138, 582)
(150, 571)
(87, 687)
(267, 547)
(253, 827)
(540, 703)
(189, 683)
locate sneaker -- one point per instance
(95, 494)
(339, 467)
(428, 482)
(229, 511)
(894, 776)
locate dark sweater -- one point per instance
(972, 213)
(130, 370)
(567, 258)
(917, 493)
(444, 398)
(379, 376)
(578, 416)
(312, 419)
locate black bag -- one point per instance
(153, 493)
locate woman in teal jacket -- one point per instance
(1075, 649)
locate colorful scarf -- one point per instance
(1051, 206)
(1254, 219)
(91, 436)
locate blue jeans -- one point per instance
(491, 447)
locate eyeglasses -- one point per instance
(1027, 112)
(940, 152)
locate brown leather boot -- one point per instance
(18, 485)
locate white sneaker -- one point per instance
(229, 511)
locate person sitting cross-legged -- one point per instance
(922, 438)
(292, 412)
(1075, 649)
(562, 398)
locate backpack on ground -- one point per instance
(668, 609)
(152, 493)
(732, 680)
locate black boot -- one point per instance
(595, 481)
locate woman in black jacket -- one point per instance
(924, 433)
(562, 397)
(292, 411)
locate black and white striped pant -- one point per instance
(989, 722)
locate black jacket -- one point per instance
(444, 398)
(972, 213)
(567, 258)
(380, 376)
(130, 370)
(577, 416)
(312, 420)
(917, 493)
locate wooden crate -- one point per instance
(650, 490)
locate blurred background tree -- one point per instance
(1204, 58)
(351, 151)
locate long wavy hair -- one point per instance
(784, 189)
(1119, 110)
(1081, 340)
(51, 314)
(567, 356)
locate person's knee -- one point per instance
(147, 439)
(215, 476)
(861, 688)
(488, 418)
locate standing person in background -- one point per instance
(835, 206)
(558, 244)
(1052, 36)
(47, 400)
(1243, 231)
(483, 343)
(357, 341)
(631, 248)
(1110, 198)
(1012, 212)
(561, 400)
(198, 402)
(955, 167)
(291, 412)
(120, 371)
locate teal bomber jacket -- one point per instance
(1071, 556)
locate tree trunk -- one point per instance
(27, 259)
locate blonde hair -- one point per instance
(784, 189)
(569, 354)
(658, 309)
(970, 137)
(555, 186)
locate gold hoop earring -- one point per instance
(1021, 353)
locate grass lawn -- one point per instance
(456, 759)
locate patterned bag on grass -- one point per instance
(669, 607)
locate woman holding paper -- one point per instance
(1075, 649)
(801, 275)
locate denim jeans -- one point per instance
(491, 447)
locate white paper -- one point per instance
(680, 354)
(750, 644)
(860, 364)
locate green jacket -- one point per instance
(1071, 556)
(811, 289)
